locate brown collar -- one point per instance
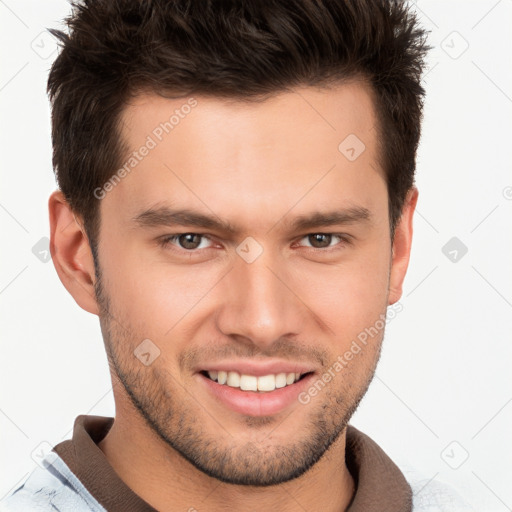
(380, 485)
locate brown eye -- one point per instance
(189, 240)
(320, 240)
(325, 242)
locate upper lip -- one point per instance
(258, 368)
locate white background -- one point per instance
(445, 371)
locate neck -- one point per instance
(168, 482)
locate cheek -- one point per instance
(348, 296)
(156, 297)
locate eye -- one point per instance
(324, 240)
(194, 242)
(186, 241)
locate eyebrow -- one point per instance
(166, 216)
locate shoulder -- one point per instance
(49, 487)
(431, 495)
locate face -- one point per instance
(246, 242)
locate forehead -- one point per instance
(241, 157)
(284, 120)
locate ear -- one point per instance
(71, 253)
(402, 247)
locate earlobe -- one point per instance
(402, 246)
(71, 253)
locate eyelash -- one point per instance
(166, 242)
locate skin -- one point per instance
(257, 166)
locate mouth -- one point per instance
(258, 384)
(255, 395)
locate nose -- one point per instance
(259, 303)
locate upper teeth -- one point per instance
(253, 383)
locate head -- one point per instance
(293, 127)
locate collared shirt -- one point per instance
(77, 477)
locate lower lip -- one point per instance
(254, 403)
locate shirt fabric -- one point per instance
(77, 477)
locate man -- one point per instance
(235, 203)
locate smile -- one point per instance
(246, 382)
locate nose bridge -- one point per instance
(259, 304)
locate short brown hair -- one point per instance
(243, 49)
